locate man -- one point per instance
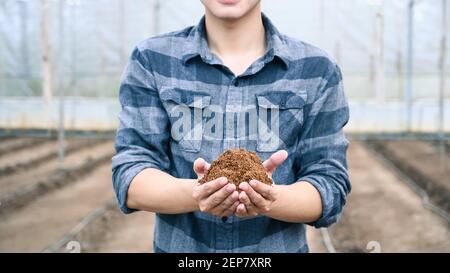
(189, 95)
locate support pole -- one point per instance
(46, 62)
(24, 39)
(442, 82)
(122, 33)
(409, 67)
(61, 78)
(156, 15)
(379, 79)
(399, 55)
(322, 23)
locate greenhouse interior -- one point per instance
(61, 66)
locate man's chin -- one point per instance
(229, 15)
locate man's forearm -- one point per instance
(156, 191)
(298, 203)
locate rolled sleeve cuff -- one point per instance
(330, 212)
(123, 176)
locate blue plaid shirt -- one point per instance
(177, 71)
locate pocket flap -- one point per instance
(186, 97)
(281, 99)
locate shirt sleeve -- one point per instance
(142, 140)
(322, 147)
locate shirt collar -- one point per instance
(198, 46)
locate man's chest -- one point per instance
(266, 108)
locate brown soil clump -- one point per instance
(237, 165)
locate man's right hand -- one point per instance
(216, 197)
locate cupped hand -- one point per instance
(216, 197)
(256, 197)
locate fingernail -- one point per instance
(223, 181)
(253, 183)
(235, 195)
(243, 186)
(230, 188)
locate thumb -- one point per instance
(275, 160)
(201, 167)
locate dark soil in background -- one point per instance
(237, 165)
(380, 208)
(383, 209)
(415, 160)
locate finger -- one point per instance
(208, 188)
(254, 197)
(214, 200)
(275, 160)
(243, 198)
(201, 166)
(241, 211)
(229, 201)
(231, 209)
(249, 206)
(263, 189)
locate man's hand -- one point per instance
(216, 197)
(256, 197)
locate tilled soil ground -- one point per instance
(423, 163)
(115, 232)
(382, 212)
(46, 220)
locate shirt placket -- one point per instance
(224, 227)
(227, 227)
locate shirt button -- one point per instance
(236, 83)
(224, 219)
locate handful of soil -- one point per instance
(237, 165)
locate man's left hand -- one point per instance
(256, 197)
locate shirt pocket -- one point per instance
(185, 110)
(280, 119)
